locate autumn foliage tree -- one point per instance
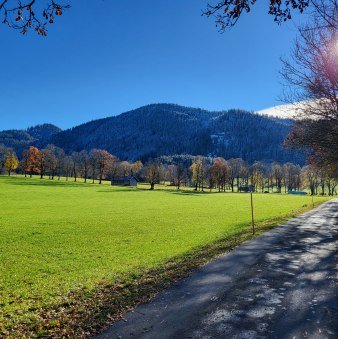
(153, 173)
(30, 160)
(11, 161)
(198, 173)
(136, 167)
(103, 160)
(257, 175)
(220, 173)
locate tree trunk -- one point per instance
(152, 185)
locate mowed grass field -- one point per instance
(64, 243)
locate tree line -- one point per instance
(236, 175)
(202, 173)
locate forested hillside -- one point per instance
(167, 129)
(39, 135)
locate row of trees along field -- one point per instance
(202, 173)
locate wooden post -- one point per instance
(252, 214)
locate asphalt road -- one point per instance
(283, 284)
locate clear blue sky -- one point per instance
(102, 58)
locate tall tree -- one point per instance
(292, 176)
(11, 161)
(125, 168)
(198, 173)
(61, 161)
(51, 160)
(103, 161)
(235, 170)
(221, 173)
(30, 160)
(153, 173)
(42, 162)
(313, 72)
(331, 183)
(68, 166)
(77, 163)
(84, 160)
(136, 167)
(3, 151)
(257, 175)
(310, 177)
(179, 174)
(277, 172)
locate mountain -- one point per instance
(148, 131)
(39, 135)
(44, 132)
(168, 129)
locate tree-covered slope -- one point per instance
(167, 129)
(148, 131)
(19, 140)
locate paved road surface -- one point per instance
(283, 284)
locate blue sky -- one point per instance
(102, 58)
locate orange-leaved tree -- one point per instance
(30, 160)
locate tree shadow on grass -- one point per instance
(124, 190)
(43, 182)
(186, 192)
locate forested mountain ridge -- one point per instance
(148, 131)
(167, 129)
(38, 135)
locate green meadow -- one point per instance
(69, 249)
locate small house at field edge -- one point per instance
(246, 188)
(124, 181)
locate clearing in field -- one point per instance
(63, 245)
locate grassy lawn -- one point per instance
(69, 249)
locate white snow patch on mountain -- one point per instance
(282, 111)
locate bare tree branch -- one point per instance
(227, 12)
(313, 71)
(31, 14)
